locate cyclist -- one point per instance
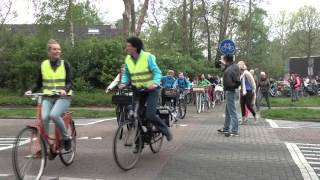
(54, 76)
(116, 80)
(203, 82)
(143, 72)
(167, 82)
(182, 82)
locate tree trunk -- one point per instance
(126, 20)
(190, 47)
(133, 18)
(142, 16)
(71, 22)
(224, 16)
(207, 30)
(249, 32)
(184, 27)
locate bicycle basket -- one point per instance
(122, 99)
(170, 92)
(164, 115)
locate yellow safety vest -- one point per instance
(141, 77)
(53, 80)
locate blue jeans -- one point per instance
(231, 123)
(53, 108)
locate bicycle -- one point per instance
(182, 104)
(135, 132)
(32, 143)
(122, 110)
(202, 99)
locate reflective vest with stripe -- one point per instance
(141, 77)
(53, 80)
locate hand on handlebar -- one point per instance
(121, 86)
(28, 93)
(152, 87)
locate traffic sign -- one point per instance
(227, 46)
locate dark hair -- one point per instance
(136, 42)
(228, 58)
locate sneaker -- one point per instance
(169, 136)
(67, 144)
(222, 131)
(232, 134)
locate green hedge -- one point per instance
(81, 98)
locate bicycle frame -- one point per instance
(53, 142)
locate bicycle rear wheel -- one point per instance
(67, 157)
(156, 142)
(127, 145)
(29, 154)
(182, 108)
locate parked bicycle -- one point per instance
(33, 146)
(202, 99)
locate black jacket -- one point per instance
(264, 85)
(38, 84)
(231, 77)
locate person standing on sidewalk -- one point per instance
(263, 86)
(247, 91)
(231, 82)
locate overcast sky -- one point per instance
(111, 10)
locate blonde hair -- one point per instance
(242, 65)
(170, 72)
(50, 42)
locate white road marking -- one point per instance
(97, 138)
(94, 122)
(81, 138)
(305, 168)
(272, 123)
(50, 178)
(4, 145)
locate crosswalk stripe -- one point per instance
(311, 158)
(304, 147)
(313, 162)
(50, 178)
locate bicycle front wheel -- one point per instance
(127, 145)
(29, 154)
(156, 142)
(67, 157)
(198, 102)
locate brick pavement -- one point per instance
(258, 154)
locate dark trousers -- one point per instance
(151, 98)
(247, 100)
(259, 99)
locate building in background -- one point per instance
(305, 67)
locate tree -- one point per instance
(129, 12)
(305, 37)
(207, 29)
(6, 12)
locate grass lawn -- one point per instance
(95, 97)
(30, 112)
(311, 101)
(299, 114)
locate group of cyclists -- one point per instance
(140, 73)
